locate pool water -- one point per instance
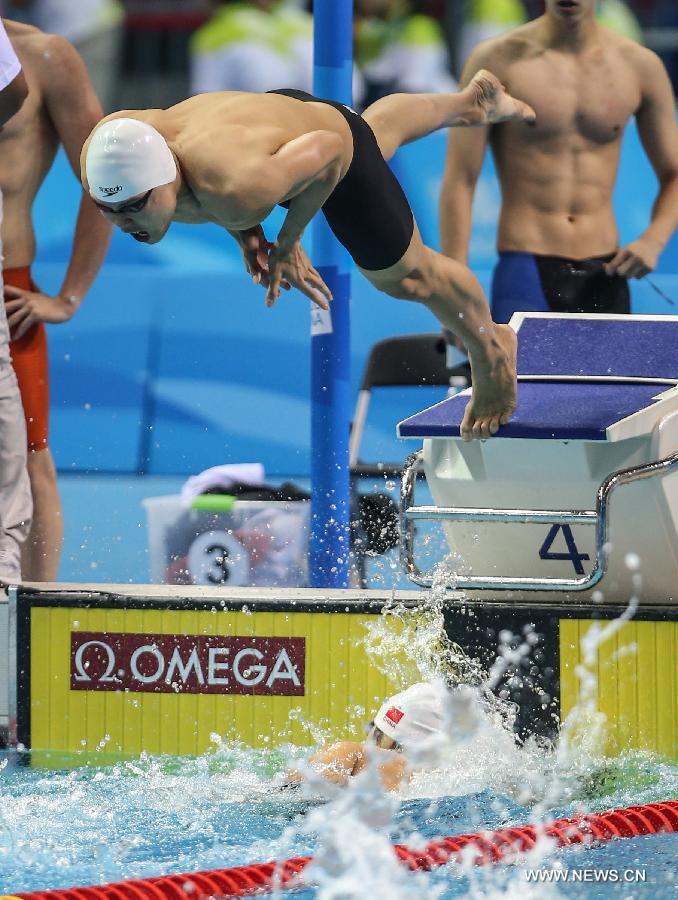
(104, 822)
(154, 816)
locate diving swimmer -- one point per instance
(230, 158)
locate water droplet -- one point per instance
(632, 561)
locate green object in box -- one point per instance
(216, 503)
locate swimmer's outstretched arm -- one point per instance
(309, 167)
(338, 762)
(334, 762)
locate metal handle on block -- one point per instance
(409, 514)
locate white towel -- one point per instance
(223, 477)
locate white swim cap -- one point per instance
(125, 158)
(412, 715)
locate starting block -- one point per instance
(581, 486)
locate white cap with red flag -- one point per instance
(412, 715)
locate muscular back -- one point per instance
(223, 140)
(557, 175)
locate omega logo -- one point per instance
(194, 664)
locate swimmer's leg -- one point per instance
(401, 118)
(41, 552)
(453, 294)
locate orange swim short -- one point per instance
(29, 358)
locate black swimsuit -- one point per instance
(368, 210)
(528, 282)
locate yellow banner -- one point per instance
(633, 683)
(123, 681)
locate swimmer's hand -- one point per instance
(26, 308)
(635, 260)
(293, 266)
(255, 249)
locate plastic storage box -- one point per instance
(228, 542)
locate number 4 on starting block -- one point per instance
(572, 554)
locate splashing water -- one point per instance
(477, 725)
(582, 735)
(410, 644)
(161, 815)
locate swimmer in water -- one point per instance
(403, 723)
(231, 158)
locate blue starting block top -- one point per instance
(613, 347)
(560, 410)
(587, 377)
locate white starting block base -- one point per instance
(560, 475)
(555, 468)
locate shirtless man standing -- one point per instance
(231, 157)
(61, 109)
(558, 241)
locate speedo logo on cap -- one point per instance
(109, 191)
(393, 715)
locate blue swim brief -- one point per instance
(528, 282)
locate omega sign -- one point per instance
(187, 664)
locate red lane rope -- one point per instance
(480, 849)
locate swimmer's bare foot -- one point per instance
(492, 104)
(493, 399)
